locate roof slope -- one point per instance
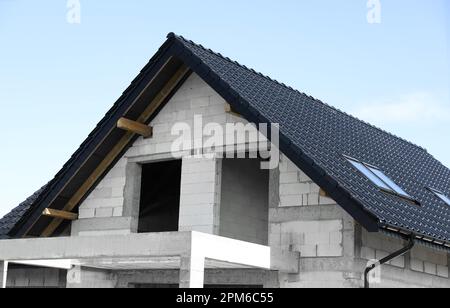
(316, 137)
(9, 221)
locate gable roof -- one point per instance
(314, 135)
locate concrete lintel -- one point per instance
(101, 224)
(193, 248)
(134, 245)
(306, 213)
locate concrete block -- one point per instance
(104, 212)
(313, 199)
(217, 100)
(289, 177)
(429, 255)
(196, 220)
(300, 227)
(303, 178)
(193, 210)
(205, 177)
(117, 192)
(398, 262)
(208, 229)
(86, 213)
(381, 254)
(442, 271)
(368, 253)
(197, 199)
(329, 250)
(117, 211)
(294, 189)
(313, 188)
(326, 201)
(105, 192)
(160, 129)
(198, 188)
(292, 200)
(163, 147)
(307, 251)
(336, 237)
(104, 233)
(317, 238)
(322, 277)
(417, 265)
(330, 225)
(430, 268)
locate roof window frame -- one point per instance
(390, 190)
(437, 193)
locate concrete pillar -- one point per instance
(80, 277)
(3, 273)
(192, 272)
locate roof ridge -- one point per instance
(173, 35)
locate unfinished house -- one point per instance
(346, 201)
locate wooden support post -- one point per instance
(60, 214)
(135, 127)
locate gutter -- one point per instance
(387, 259)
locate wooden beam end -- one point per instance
(135, 127)
(60, 214)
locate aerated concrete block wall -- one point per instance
(109, 203)
(422, 267)
(32, 277)
(334, 249)
(303, 221)
(200, 195)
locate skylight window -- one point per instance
(441, 196)
(376, 176)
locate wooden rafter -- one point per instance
(230, 110)
(135, 127)
(323, 193)
(60, 214)
(118, 148)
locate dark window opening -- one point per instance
(160, 197)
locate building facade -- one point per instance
(245, 226)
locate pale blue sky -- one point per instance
(58, 79)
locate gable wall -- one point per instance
(108, 208)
